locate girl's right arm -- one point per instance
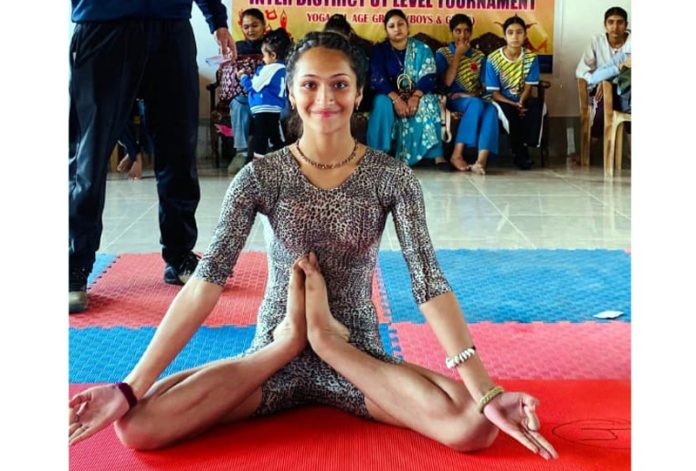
(185, 315)
(97, 407)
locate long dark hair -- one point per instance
(394, 12)
(514, 20)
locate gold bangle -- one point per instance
(489, 396)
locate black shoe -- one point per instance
(179, 274)
(444, 166)
(77, 286)
(523, 163)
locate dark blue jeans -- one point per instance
(110, 64)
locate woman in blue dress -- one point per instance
(460, 67)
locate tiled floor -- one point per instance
(555, 207)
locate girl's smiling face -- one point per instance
(324, 90)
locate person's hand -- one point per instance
(627, 63)
(94, 409)
(514, 413)
(462, 45)
(412, 104)
(521, 110)
(599, 93)
(401, 108)
(225, 42)
(240, 73)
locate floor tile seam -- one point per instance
(524, 236)
(131, 225)
(593, 196)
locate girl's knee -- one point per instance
(136, 433)
(470, 434)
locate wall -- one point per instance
(576, 21)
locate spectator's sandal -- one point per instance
(478, 168)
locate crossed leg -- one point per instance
(404, 395)
(190, 402)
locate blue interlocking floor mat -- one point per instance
(101, 263)
(106, 355)
(389, 340)
(520, 285)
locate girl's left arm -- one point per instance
(512, 412)
(446, 319)
(431, 290)
(532, 79)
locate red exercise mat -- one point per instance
(562, 350)
(131, 293)
(587, 421)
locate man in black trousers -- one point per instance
(120, 50)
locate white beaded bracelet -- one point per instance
(461, 357)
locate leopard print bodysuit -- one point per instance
(343, 226)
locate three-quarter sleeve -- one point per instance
(408, 211)
(237, 216)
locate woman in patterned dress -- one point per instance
(317, 338)
(405, 110)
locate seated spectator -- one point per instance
(249, 57)
(459, 67)
(267, 92)
(599, 54)
(618, 71)
(511, 71)
(403, 77)
(338, 24)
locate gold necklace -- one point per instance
(327, 166)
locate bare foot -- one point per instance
(321, 325)
(136, 171)
(459, 163)
(125, 164)
(478, 168)
(293, 327)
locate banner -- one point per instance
(431, 17)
